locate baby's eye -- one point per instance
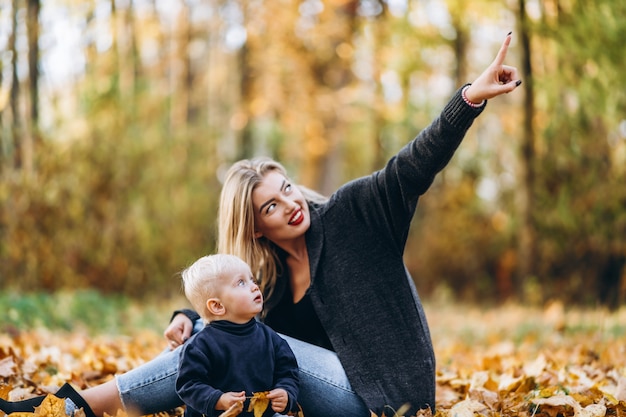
(241, 283)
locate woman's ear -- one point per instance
(215, 307)
(257, 234)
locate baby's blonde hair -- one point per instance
(202, 280)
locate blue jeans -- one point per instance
(324, 387)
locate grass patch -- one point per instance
(88, 311)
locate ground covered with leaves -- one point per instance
(501, 361)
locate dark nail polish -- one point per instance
(518, 82)
(510, 33)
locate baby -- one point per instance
(234, 355)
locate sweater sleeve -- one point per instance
(191, 315)
(192, 386)
(386, 200)
(421, 159)
(286, 371)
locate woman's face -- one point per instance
(280, 211)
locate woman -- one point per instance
(333, 276)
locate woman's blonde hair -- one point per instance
(236, 219)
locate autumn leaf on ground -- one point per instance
(467, 408)
(4, 391)
(398, 413)
(259, 403)
(234, 410)
(298, 413)
(51, 406)
(7, 367)
(560, 403)
(425, 412)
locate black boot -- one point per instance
(24, 406)
(28, 406)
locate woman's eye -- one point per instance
(288, 188)
(270, 208)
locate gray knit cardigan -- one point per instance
(360, 289)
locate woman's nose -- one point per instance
(291, 206)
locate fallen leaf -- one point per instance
(300, 413)
(466, 408)
(8, 367)
(4, 391)
(51, 406)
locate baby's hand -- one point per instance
(228, 399)
(279, 399)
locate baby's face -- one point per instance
(241, 295)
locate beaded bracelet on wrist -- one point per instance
(468, 102)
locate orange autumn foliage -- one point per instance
(554, 369)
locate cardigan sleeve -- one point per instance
(286, 371)
(387, 199)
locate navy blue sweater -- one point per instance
(225, 356)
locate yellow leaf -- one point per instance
(300, 413)
(259, 403)
(4, 391)
(467, 408)
(425, 412)
(234, 410)
(51, 406)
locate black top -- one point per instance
(298, 320)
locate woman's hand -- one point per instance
(497, 79)
(178, 331)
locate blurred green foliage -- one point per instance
(86, 310)
(121, 219)
(117, 190)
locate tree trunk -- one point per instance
(14, 95)
(527, 238)
(609, 281)
(180, 70)
(33, 60)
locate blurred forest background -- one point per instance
(118, 118)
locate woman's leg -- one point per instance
(103, 398)
(324, 387)
(151, 387)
